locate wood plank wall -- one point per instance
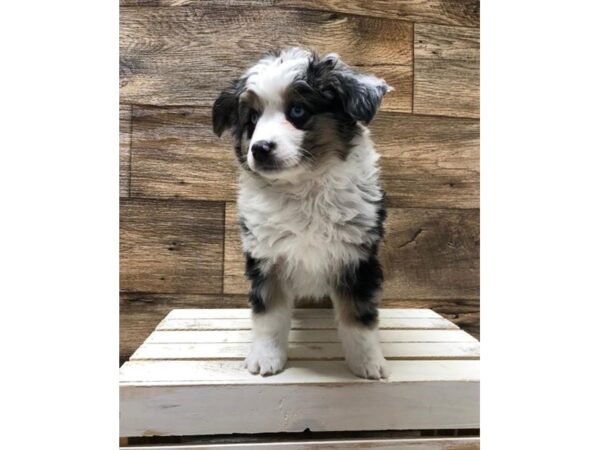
(179, 239)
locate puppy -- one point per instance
(310, 204)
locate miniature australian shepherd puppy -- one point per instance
(310, 204)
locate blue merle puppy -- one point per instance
(310, 203)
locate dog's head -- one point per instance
(295, 111)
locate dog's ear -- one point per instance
(359, 94)
(225, 109)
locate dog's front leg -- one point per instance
(271, 318)
(355, 299)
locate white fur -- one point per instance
(269, 79)
(363, 351)
(268, 353)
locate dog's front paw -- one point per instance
(265, 359)
(372, 366)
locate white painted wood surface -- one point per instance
(188, 378)
(303, 350)
(239, 313)
(457, 443)
(304, 323)
(195, 337)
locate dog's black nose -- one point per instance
(261, 150)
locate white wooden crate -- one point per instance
(188, 378)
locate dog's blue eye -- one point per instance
(254, 117)
(297, 111)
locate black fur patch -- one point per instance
(361, 285)
(340, 86)
(257, 281)
(227, 113)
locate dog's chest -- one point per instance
(313, 231)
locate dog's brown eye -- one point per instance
(253, 117)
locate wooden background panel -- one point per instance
(185, 56)
(446, 70)
(427, 254)
(234, 280)
(446, 12)
(124, 149)
(178, 250)
(176, 154)
(171, 246)
(431, 254)
(428, 161)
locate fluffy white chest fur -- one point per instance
(312, 227)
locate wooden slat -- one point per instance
(428, 161)
(217, 409)
(306, 351)
(229, 336)
(464, 313)
(446, 70)
(427, 254)
(299, 324)
(176, 154)
(431, 254)
(304, 313)
(234, 265)
(186, 55)
(447, 12)
(124, 149)
(247, 3)
(162, 397)
(165, 373)
(455, 443)
(171, 246)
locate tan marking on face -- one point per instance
(252, 100)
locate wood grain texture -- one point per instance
(428, 161)
(446, 70)
(176, 154)
(464, 313)
(187, 55)
(427, 254)
(431, 254)
(452, 443)
(234, 279)
(124, 149)
(140, 313)
(171, 246)
(446, 12)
